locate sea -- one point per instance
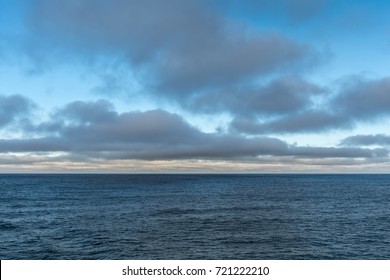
(194, 216)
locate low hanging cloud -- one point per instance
(94, 130)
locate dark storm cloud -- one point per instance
(95, 130)
(13, 108)
(366, 140)
(357, 100)
(185, 46)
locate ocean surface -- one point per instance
(194, 216)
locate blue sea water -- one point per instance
(194, 216)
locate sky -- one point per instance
(130, 86)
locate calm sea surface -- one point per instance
(194, 216)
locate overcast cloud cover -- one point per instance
(195, 86)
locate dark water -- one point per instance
(194, 216)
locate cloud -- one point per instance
(357, 100)
(14, 108)
(229, 62)
(301, 122)
(183, 46)
(94, 127)
(94, 130)
(366, 140)
(333, 152)
(46, 144)
(90, 122)
(138, 28)
(281, 96)
(302, 9)
(86, 112)
(293, 10)
(363, 99)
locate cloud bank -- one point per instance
(94, 130)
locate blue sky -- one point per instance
(194, 86)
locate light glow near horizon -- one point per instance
(194, 86)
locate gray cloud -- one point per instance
(358, 100)
(96, 127)
(46, 144)
(302, 9)
(293, 10)
(366, 140)
(186, 46)
(13, 108)
(281, 96)
(138, 28)
(86, 112)
(332, 152)
(229, 61)
(90, 130)
(306, 121)
(364, 99)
